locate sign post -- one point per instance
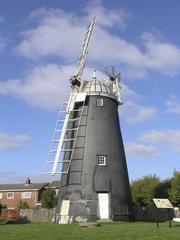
(165, 204)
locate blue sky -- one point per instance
(40, 41)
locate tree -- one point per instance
(49, 198)
(162, 190)
(174, 192)
(22, 205)
(143, 190)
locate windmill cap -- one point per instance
(99, 87)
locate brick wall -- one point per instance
(12, 203)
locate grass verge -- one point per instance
(107, 231)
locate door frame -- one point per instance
(109, 205)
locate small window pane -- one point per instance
(1, 195)
(101, 160)
(10, 195)
(26, 195)
(100, 102)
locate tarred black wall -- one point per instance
(99, 135)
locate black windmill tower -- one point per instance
(87, 150)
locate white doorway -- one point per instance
(103, 206)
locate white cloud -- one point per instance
(134, 73)
(8, 141)
(106, 17)
(44, 86)
(57, 33)
(134, 112)
(141, 150)
(173, 105)
(61, 34)
(161, 55)
(55, 30)
(166, 137)
(151, 141)
(52, 35)
(129, 93)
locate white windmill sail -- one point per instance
(75, 96)
(84, 52)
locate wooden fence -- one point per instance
(38, 215)
(150, 213)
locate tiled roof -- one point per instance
(37, 186)
(54, 184)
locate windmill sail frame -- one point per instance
(75, 96)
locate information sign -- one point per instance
(162, 203)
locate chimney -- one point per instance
(28, 181)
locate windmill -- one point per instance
(87, 149)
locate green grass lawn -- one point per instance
(109, 231)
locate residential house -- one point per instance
(55, 185)
(11, 194)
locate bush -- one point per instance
(49, 199)
(10, 215)
(143, 190)
(174, 192)
(2, 222)
(22, 205)
(162, 190)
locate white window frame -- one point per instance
(101, 160)
(99, 102)
(10, 197)
(25, 195)
(1, 195)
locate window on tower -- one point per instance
(101, 160)
(99, 102)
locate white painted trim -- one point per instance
(81, 97)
